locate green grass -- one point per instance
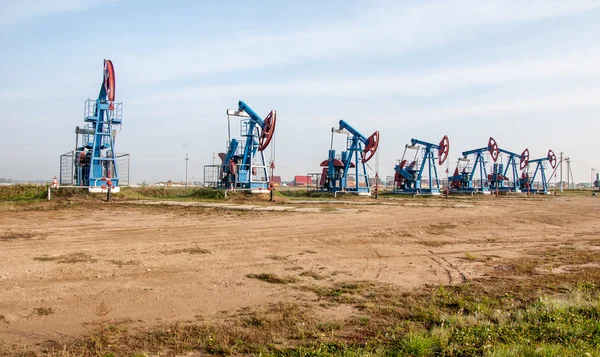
(170, 193)
(32, 193)
(23, 192)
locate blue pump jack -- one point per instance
(528, 179)
(499, 180)
(337, 174)
(409, 175)
(473, 179)
(244, 166)
(95, 160)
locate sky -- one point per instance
(524, 72)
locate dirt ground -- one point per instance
(156, 264)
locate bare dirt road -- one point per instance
(155, 264)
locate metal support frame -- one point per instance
(498, 178)
(408, 177)
(464, 179)
(527, 180)
(244, 166)
(95, 163)
(348, 172)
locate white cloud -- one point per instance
(377, 30)
(429, 83)
(15, 12)
(532, 104)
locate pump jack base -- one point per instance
(104, 190)
(418, 192)
(469, 192)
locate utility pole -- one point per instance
(186, 170)
(571, 173)
(561, 172)
(568, 160)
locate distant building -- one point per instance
(276, 180)
(372, 181)
(301, 180)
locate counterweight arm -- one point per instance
(267, 126)
(371, 143)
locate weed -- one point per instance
(417, 345)
(12, 235)
(470, 257)
(276, 257)
(313, 275)
(295, 268)
(363, 320)
(68, 258)
(43, 311)
(194, 250)
(329, 326)
(272, 278)
(435, 243)
(439, 228)
(122, 263)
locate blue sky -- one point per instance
(525, 72)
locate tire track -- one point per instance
(454, 274)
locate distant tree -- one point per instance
(2, 180)
(9, 180)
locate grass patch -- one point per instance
(296, 268)
(43, 311)
(329, 326)
(23, 192)
(170, 193)
(337, 292)
(470, 257)
(68, 258)
(435, 243)
(312, 274)
(122, 263)
(276, 257)
(194, 250)
(501, 315)
(9, 235)
(272, 278)
(440, 228)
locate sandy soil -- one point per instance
(156, 264)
